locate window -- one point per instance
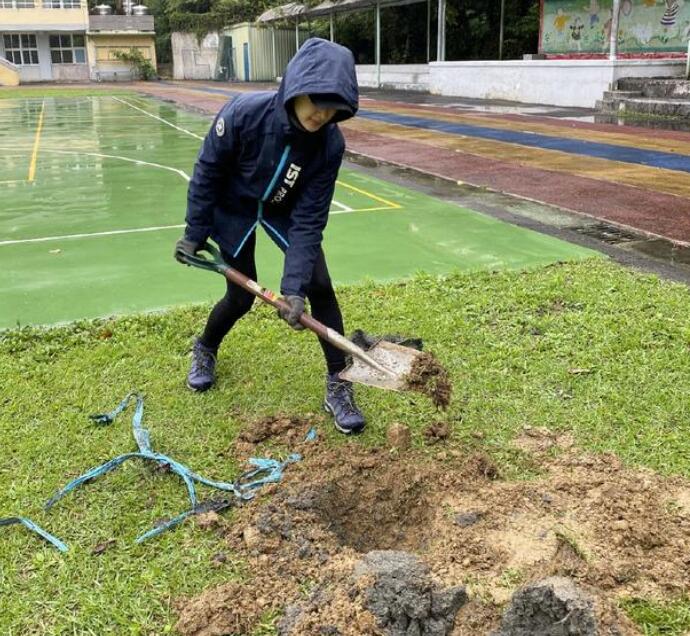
(16, 4)
(20, 48)
(61, 4)
(67, 49)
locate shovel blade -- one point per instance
(394, 357)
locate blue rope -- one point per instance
(8, 521)
(266, 471)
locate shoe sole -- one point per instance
(198, 389)
(345, 431)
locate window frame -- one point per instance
(20, 49)
(17, 4)
(61, 4)
(61, 50)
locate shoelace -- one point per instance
(343, 391)
(203, 361)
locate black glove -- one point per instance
(188, 246)
(291, 315)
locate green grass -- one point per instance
(12, 92)
(589, 348)
(660, 619)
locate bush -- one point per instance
(141, 67)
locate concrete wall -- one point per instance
(554, 82)
(104, 66)
(28, 20)
(121, 23)
(9, 73)
(71, 72)
(199, 60)
(193, 59)
(411, 77)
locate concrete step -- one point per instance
(676, 108)
(658, 106)
(656, 87)
(609, 105)
(679, 108)
(621, 94)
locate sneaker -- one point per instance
(202, 375)
(340, 402)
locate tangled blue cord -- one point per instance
(265, 471)
(9, 521)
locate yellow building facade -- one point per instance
(57, 40)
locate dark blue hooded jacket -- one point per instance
(257, 168)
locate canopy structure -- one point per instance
(296, 11)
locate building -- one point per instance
(57, 40)
(243, 52)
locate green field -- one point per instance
(94, 192)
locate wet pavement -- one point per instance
(625, 246)
(621, 184)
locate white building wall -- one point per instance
(553, 82)
(45, 70)
(410, 77)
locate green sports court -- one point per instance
(93, 200)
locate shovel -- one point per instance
(385, 365)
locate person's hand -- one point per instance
(292, 313)
(188, 246)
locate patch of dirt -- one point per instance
(428, 377)
(614, 531)
(274, 430)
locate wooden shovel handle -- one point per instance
(271, 298)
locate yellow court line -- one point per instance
(37, 140)
(369, 194)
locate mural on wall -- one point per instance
(645, 26)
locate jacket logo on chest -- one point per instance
(289, 181)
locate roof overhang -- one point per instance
(295, 10)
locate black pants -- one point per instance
(237, 302)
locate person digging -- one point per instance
(271, 160)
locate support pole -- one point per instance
(332, 27)
(428, 31)
(441, 40)
(296, 35)
(273, 46)
(615, 15)
(378, 44)
(500, 37)
(687, 64)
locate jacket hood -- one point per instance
(322, 67)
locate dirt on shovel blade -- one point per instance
(429, 377)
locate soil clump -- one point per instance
(429, 377)
(613, 532)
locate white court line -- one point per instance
(342, 206)
(165, 121)
(45, 239)
(139, 162)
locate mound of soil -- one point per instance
(429, 377)
(612, 531)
